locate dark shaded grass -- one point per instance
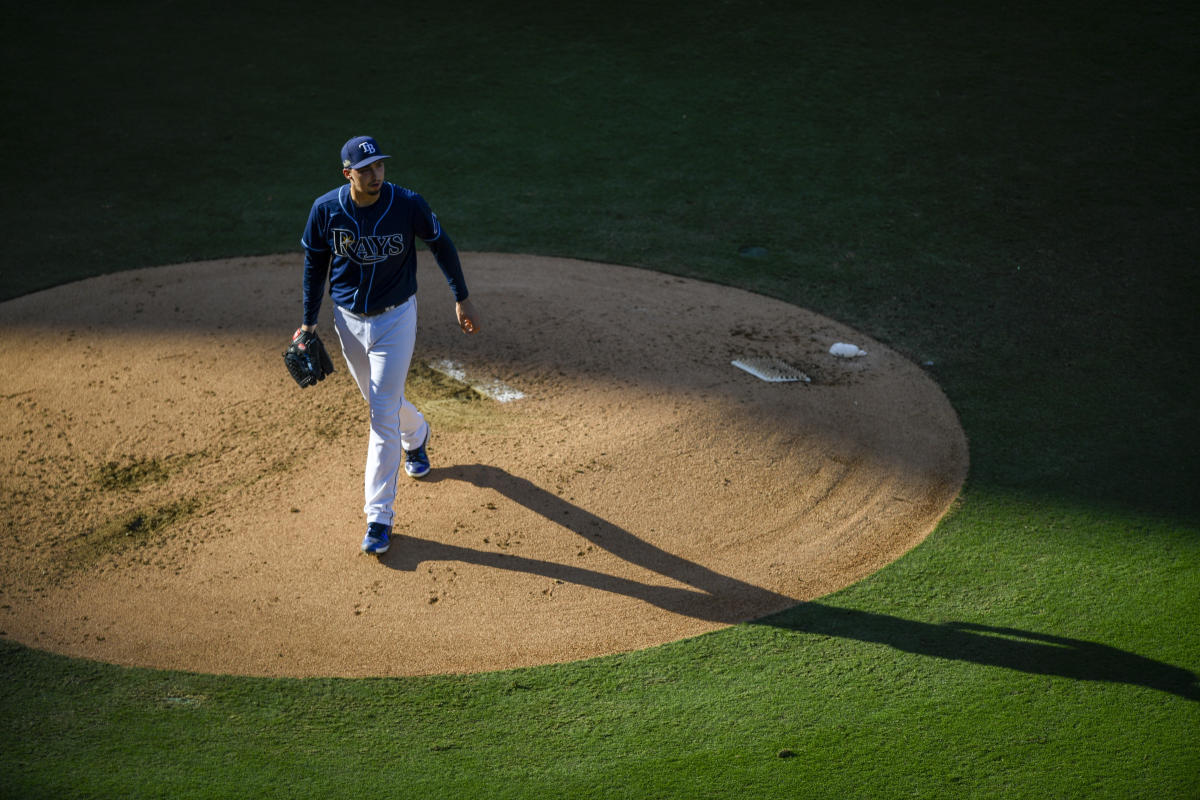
(1009, 193)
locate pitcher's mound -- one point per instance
(172, 499)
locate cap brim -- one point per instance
(367, 161)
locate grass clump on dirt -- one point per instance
(135, 472)
(450, 404)
(115, 475)
(130, 530)
(426, 383)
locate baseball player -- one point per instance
(362, 236)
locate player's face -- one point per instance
(367, 181)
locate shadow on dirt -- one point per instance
(714, 597)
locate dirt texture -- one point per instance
(171, 499)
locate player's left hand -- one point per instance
(468, 320)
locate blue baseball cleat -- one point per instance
(416, 461)
(376, 541)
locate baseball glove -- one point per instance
(306, 358)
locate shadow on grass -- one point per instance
(719, 598)
(1009, 648)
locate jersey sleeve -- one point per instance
(314, 237)
(429, 229)
(316, 263)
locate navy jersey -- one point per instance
(369, 253)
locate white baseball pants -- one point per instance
(378, 351)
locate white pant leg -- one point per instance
(378, 351)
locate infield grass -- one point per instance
(1009, 193)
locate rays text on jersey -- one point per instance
(366, 249)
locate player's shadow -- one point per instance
(708, 595)
(711, 596)
(1008, 648)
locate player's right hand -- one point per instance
(468, 320)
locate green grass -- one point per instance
(1008, 192)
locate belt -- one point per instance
(380, 311)
(372, 313)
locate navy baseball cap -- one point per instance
(360, 151)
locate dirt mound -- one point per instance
(172, 500)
